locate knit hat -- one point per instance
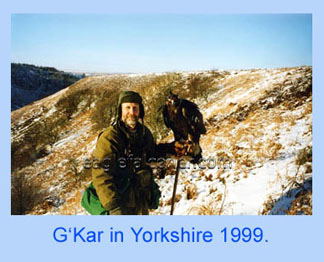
(130, 97)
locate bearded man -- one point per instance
(122, 180)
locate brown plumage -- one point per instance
(186, 122)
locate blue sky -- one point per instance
(158, 43)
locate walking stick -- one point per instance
(175, 186)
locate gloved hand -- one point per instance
(116, 211)
(183, 149)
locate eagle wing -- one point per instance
(166, 117)
(176, 123)
(194, 118)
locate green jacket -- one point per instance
(120, 174)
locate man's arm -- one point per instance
(165, 149)
(104, 164)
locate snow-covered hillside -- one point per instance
(257, 151)
(30, 83)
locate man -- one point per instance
(122, 179)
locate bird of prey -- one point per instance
(186, 122)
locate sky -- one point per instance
(161, 42)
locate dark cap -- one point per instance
(130, 97)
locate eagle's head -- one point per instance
(172, 100)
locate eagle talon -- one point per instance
(183, 149)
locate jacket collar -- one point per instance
(134, 137)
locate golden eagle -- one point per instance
(186, 122)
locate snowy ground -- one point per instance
(246, 190)
(260, 177)
(234, 193)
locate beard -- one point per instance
(131, 121)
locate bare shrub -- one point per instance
(267, 206)
(304, 155)
(36, 140)
(106, 110)
(22, 155)
(79, 174)
(191, 191)
(209, 209)
(302, 205)
(199, 84)
(25, 194)
(69, 103)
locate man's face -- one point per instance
(130, 113)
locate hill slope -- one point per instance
(257, 150)
(30, 83)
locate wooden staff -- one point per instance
(175, 186)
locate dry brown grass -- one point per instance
(72, 205)
(249, 131)
(254, 120)
(273, 149)
(25, 194)
(249, 128)
(304, 156)
(267, 206)
(212, 207)
(242, 81)
(212, 190)
(207, 210)
(302, 205)
(308, 109)
(246, 161)
(191, 191)
(209, 177)
(245, 173)
(277, 119)
(219, 173)
(169, 201)
(235, 85)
